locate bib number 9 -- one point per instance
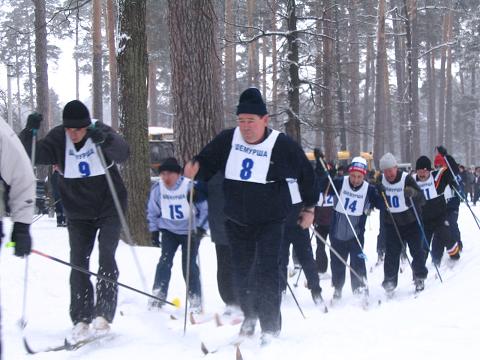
(84, 169)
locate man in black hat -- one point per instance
(434, 211)
(89, 206)
(169, 213)
(256, 161)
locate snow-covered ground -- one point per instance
(442, 323)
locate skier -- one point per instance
(453, 193)
(300, 239)
(89, 206)
(357, 198)
(16, 172)
(169, 213)
(433, 184)
(399, 188)
(323, 215)
(256, 161)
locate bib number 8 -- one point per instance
(84, 168)
(246, 172)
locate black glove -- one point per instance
(318, 154)
(441, 150)
(156, 238)
(21, 238)
(409, 192)
(34, 120)
(96, 134)
(201, 232)
(380, 187)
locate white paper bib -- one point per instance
(247, 162)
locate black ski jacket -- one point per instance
(89, 197)
(253, 203)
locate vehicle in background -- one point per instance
(161, 146)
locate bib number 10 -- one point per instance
(393, 201)
(246, 172)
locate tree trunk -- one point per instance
(292, 127)
(473, 148)
(339, 85)
(152, 93)
(441, 90)
(230, 65)
(133, 72)
(354, 70)
(369, 74)
(41, 65)
(318, 72)
(431, 86)
(196, 90)
(253, 78)
(97, 76)
(328, 60)
(449, 90)
(380, 105)
(273, 27)
(110, 23)
(400, 76)
(30, 74)
(77, 63)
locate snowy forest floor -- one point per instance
(441, 323)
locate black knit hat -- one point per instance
(170, 164)
(423, 162)
(76, 115)
(251, 102)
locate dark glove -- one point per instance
(441, 150)
(21, 238)
(318, 154)
(380, 187)
(409, 192)
(201, 232)
(96, 134)
(34, 120)
(156, 238)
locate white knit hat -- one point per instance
(387, 161)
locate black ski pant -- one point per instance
(225, 279)
(82, 234)
(357, 262)
(381, 235)
(452, 217)
(439, 237)
(300, 240)
(410, 236)
(256, 255)
(321, 258)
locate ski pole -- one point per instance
(475, 217)
(298, 276)
(189, 249)
(102, 277)
(121, 215)
(362, 279)
(404, 249)
(295, 299)
(362, 255)
(23, 319)
(461, 197)
(422, 229)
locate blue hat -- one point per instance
(251, 102)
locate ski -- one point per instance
(75, 346)
(217, 318)
(235, 343)
(31, 351)
(66, 346)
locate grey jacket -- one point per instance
(17, 172)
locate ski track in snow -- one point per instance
(441, 323)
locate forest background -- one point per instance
(355, 75)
